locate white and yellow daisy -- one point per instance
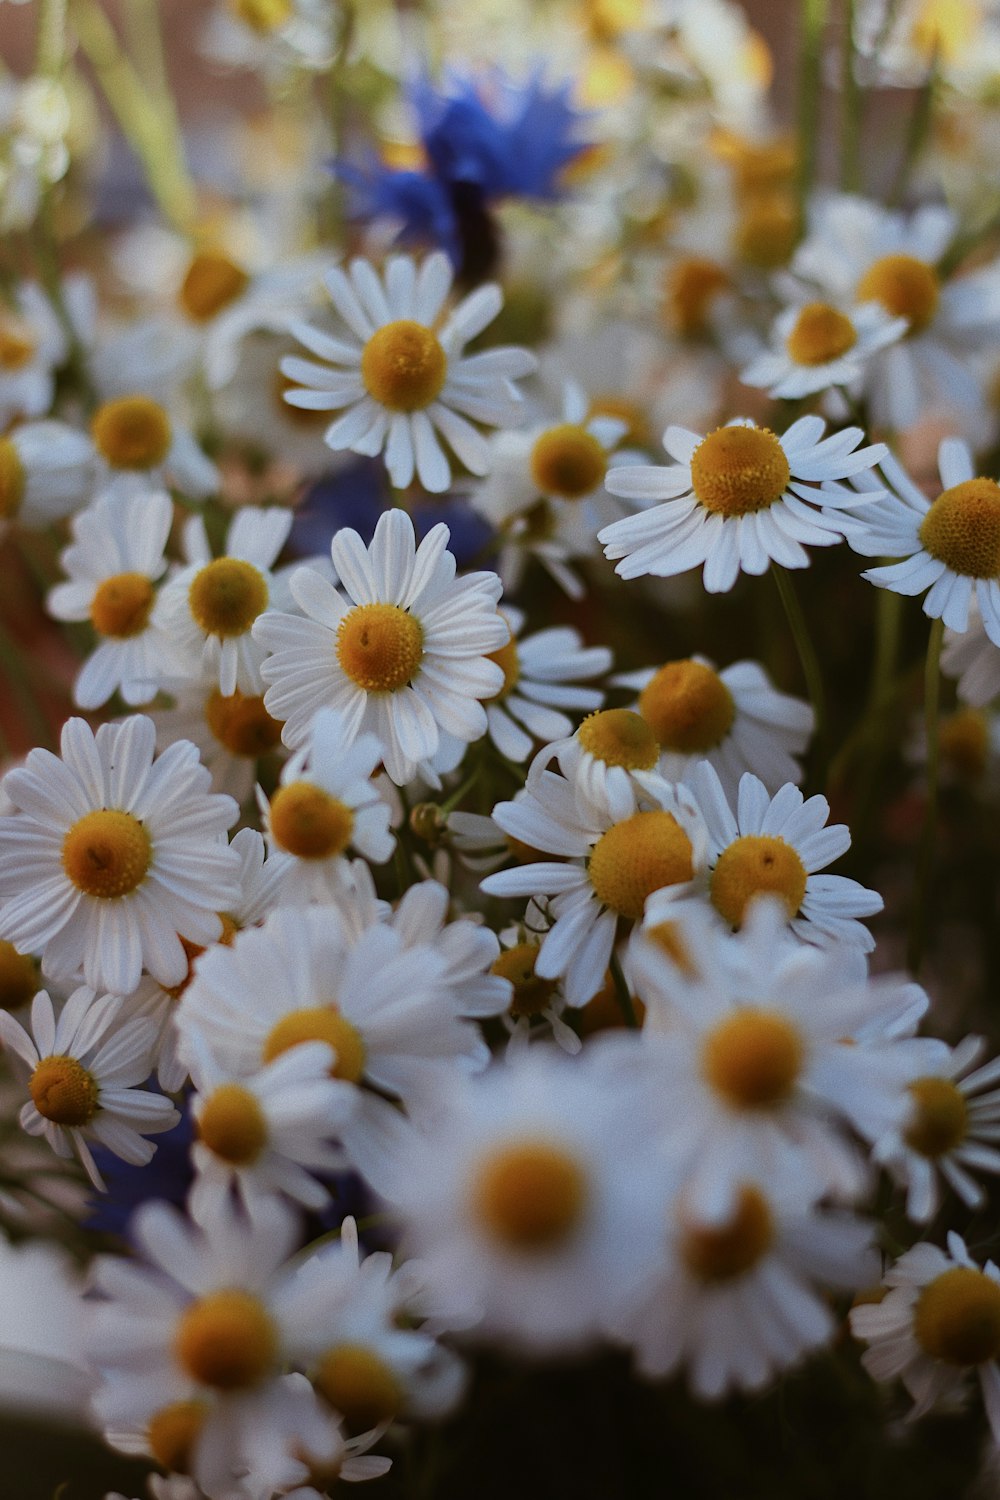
(233, 732)
(139, 445)
(113, 565)
(81, 1073)
(400, 376)
(937, 1327)
(535, 1007)
(32, 347)
(270, 36)
(112, 857)
(736, 500)
(46, 473)
(816, 345)
(974, 659)
(402, 652)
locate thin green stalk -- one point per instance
(925, 859)
(852, 105)
(450, 803)
(50, 275)
(813, 23)
(888, 621)
(622, 993)
(808, 660)
(51, 53)
(916, 135)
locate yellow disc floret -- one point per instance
(768, 229)
(241, 723)
(63, 1091)
(755, 865)
(121, 605)
(821, 334)
(958, 1317)
(173, 1432)
(693, 283)
(226, 1340)
(403, 366)
(946, 29)
(18, 977)
(17, 344)
(568, 461)
(940, 1117)
(359, 1385)
(688, 707)
(226, 596)
(13, 479)
(212, 281)
(753, 1058)
(309, 823)
(531, 993)
(107, 853)
(380, 647)
(962, 528)
(636, 857)
(132, 432)
(619, 737)
(509, 662)
(530, 1195)
(904, 286)
(728, 1250)
(232, 1125)
(737, 470)
(320, 1023)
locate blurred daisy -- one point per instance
(404, 656)
(233, 732)
(974, 659)
(816, 345)
(402, 376)
(536, 1005)
(82, 1072)
(139, 446)
(736, 500)
(541, 673)
(33, 345)
(270, 36)
(46, 472)
(112, 857)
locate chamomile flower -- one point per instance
(937, 1327)
(777, 846)
(536, 1006)
(82, 1071)
(949, 546)
(113, 565)
(817, 345)
(974, 659)
(32, 347)
(325, 804)
(140, 446)
(209, 608)
(734, 718)
(270, 36)
(609, 855)
(112, 857)
(402, 652)
(736, 500)
(541, 673)
(400, 376)
(233, 732)
(46, 472)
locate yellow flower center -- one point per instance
(619, 737)
(736, 470)
(63, 1091)
(760, 166)
(531, 993)
(728, 1250)
(233, 1125)
(380, 647)
(212, 281)
(530, 1196)
(940, 1117)
(309, 823)
(946, 28)
(241, 723)
(606, 20)
(359, 1385)
(755, 865)
(688, 707)
(403, 366)
(194, 950)
(568, 461)
(669, 938)
(226, 1340)
(906, 287)
(13, 479)
(962, 528)
(965, 741)
(132, 432)
(638, 431)
(510, 663)
(18, 977)
(227, 595)
(821, 334)
(107, 853)
(121, 605)
(17, 345)
(637, 856)
(958, 1317)
(173, 1432)
(320, 1023)
(768, 230)
(692, 286)
(753, 1058)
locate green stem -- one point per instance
(916, 135)
(852, 105)
(450, 803)
(888, 621)
(813, 22)
(925, 860)
(622, 993)
(51, 54)
(808, 660)
(50, 275)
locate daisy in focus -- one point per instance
(400, 376)
(816, 345)
(736, 500)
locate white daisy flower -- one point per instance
(535, 1006)
(140, 446)
(974, 659)
(32, 347)
(609, 855)
(325, 804)
(208, 609)
(233, 732)
(46, 472)
(734, 718)
(44, 1366)
(816, 345)
(402, 656)
(937, 1326)
(112, 857)
(777, 846)
(401, 374)
(270, 36)
(949, 546)
(951, 1130)
(736, 500)
(113, 564)
(82, 1072)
